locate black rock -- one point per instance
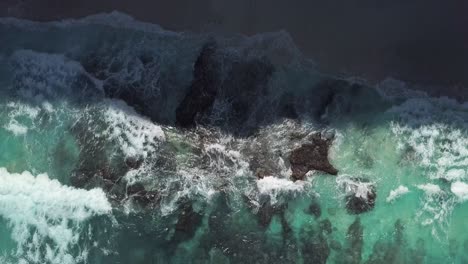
(133, 162)
(354, 243)
(361, 204)
(311, 156)
(314, 209)
(204, 88)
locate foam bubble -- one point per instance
(16, 128)
(273, 187)
(46, 218)
(356, 187)
(23, 112)
(136, 134)
(430, 189)
(398, 192)
(460, 189)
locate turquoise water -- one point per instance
(69, 192)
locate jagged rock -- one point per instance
(311, 156)
(204, 87)
(360, 199)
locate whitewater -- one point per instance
(122, 142)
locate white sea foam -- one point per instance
(430, 189)
(47, 218)
(137, 135)
(460, 189)
(398, 192)
(355, 187)
(438, 146)
(20, 111)
(16, 128)
(273, 187)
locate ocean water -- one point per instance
(94, 169)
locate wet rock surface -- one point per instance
(312, 155)
(361, 196)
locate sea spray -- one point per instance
(47, 219)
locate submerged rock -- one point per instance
(314, 209)
(188, 221)
(142, 197)
(360, 196)
(397, 250)
(354, 244)
(311, 156)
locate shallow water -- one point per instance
(88, 178)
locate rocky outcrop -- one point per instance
(204, 87)
(360, 196)
(237, 83)
(312, 155)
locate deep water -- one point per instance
(125, 143)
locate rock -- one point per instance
(311, 156)
(220, 76)
(143, 197)
(361, 197)
(261, 173)
(133, 162)
(188, 221)
(204, 87)
(326, 226)
(355, 242)
(314, 209)
(316, 250)
(245, 88)
(267, 211)
(335, 245)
